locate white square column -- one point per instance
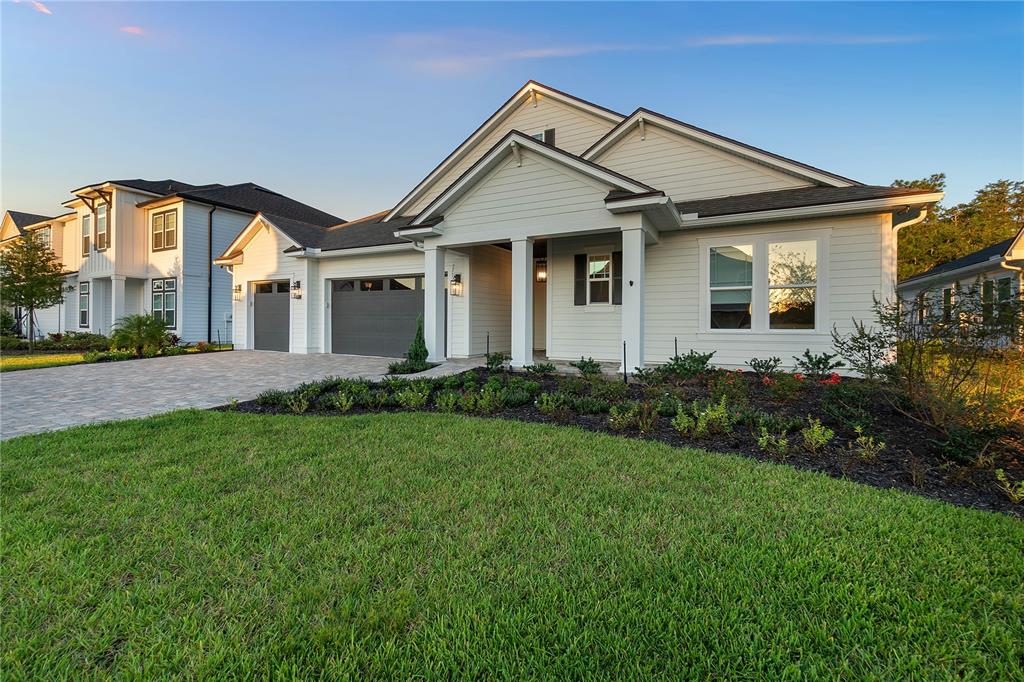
(522, 302)
(117, 301)
(433, 302)
(634, 245)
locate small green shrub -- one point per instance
(173, 350)
(589, 404)
(467, 402)
(844, 403)
(408, 367)
(687, 366)
(731, 386)
(342, 401)
(453, 382)
(413, 397)
(713, 418)
(646, 416)
(611, 391)
(549, 403)
(815, 435)
(297, 403)
(496, 361)
(139, 333)
(574, 385)
(516, 397)
(378, 398)
(648, 376)
(490, 400)
(446, 401)
(668, 406)
(622, 416)
(521, 384)
(785, 387)
(1014, 491)
(776, 445)
(272, 398)
(684, 422)
(777, 423)
(540, 369)
(588, 367)
(866, 447)
(765, 369)
(817, 366)
(417, 354)
(494, 383)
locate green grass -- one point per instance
(205, 545)
(12, 363)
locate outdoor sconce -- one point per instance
(541, 269)
(455, 285)
(236, 292)
(296, 289)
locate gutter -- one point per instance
(692, 221)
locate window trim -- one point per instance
(760, 313)
(163, 291)
(106, 228)
(163, 230)
(83, 294)
(85, 233)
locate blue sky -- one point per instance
(347, 106)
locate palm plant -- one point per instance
(139, 333)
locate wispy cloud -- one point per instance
(40, 7)
(133, 30)
(743, 40)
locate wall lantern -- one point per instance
(455, 285)
(236, 292)
(296, 289)
(541, 269)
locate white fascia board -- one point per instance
(488, 127)
(967, 270)
(659, 209)
(421, 232)
(816, 211)
(358, 251)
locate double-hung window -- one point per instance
(599, 278)
(165, 301)
(46, 237)
(763, 283)
(83, 304)
(165, 230)
(102, 238)
(86, 233)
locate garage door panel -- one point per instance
(375, 316)
(271, 306)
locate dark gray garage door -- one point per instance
(375, 316)
(270, 316)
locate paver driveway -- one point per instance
(38, 400)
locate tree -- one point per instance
(31, 277)
(994, 214)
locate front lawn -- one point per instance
(219, 544)
(11, 363)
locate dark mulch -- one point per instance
(912, 461)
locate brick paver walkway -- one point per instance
(36, 400)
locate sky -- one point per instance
(346, 106)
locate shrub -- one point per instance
(272, 398)
(588, 367)
(1013, 491)
(446, 401)
(540, 369)
(417, 354)
(413, 397)
(453, 382)
(786, 387)
(687, 366)
(777, 423)
(173, 350)
(469, 383)
(7, 322)
(574, 385)
(844, 403)
(612, 391)
(108, 356)
(588, 404)
(139, 333)
(774, 445)
(712, 418)
(730, 386)
(203, 347)
(378, 398)
(342, 401)
(297, 402)
(622, 416)
(517, 397)
(467, 402)
(648, 376)
(866, 447)
(867, 349)
(646, 416)
(815, 435)
(520, 384)
(490, 400)
(817, 366)
(549, 403)
(407, 367)
(668, 406)
(496, 361)
(684, 422)
(12, 343)
(765, 369)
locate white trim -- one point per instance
(530, 89)
(257, 221)
(814, 211)
(358, 251)
(734, 148)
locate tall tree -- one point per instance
(31, 277)
(994, 214)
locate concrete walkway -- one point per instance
(37, 400)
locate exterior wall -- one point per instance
(685, 169)
(933, 288)
(540, 314)
(130, 236)
(458, 306)
(490, 300)
(193, 247)
(575, 130)
(264, 261)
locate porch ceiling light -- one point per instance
(455, 285)
(541, 270)
(296, 289)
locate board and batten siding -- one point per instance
(685, 169)
(575, 130)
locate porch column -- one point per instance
(433, 302)
(117, 301)
(522, 302)
(633, 249)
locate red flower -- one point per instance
(832, 379)
(798, 376)
(767, 381)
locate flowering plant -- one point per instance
(831, 380)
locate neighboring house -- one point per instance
(562, 228)
(133, 246)
(996, 273)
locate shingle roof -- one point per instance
(20, 219)
(362, 232)
(790, 198)
(161, 187)
(980, 256)
(252, 198)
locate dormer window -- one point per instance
(102, 240)
(547, 136)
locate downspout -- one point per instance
(209, 275)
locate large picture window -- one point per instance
(86, 233)
(165, 301)
(599, 279)
(731, 270)
(165, 230)
(102, 238)
(83, 304)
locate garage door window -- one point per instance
(403, 284)
(371, 285)
(375, 285)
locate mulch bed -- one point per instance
(912, 460)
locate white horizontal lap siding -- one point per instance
(588, 331)
(491, 300)
(674, 291)
(264, 261)
(686, 170)
(575, 130)
(535, 198)
(193, 240)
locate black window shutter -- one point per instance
(616, 277)
(580, 279)
(549, 136)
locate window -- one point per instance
(101, 228)
(921, 310)
(988, 295)
(402, 284)
(86, 233)
(731, 276)
(165, 300)
(792, 284)
(371, 285)
(947, 305)
(165, 230)
(46, 236)
(343, 285)
(599, 279)
(83, 304)
(547, 136)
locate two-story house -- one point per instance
(133, 246)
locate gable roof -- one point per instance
(995, 253)
(741, 149)
(509, 144)
(249, 197)
(161, 187)
(22, 220)
(493, 122)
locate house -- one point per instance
(560, 228)
(996, 273)
(133, 246)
